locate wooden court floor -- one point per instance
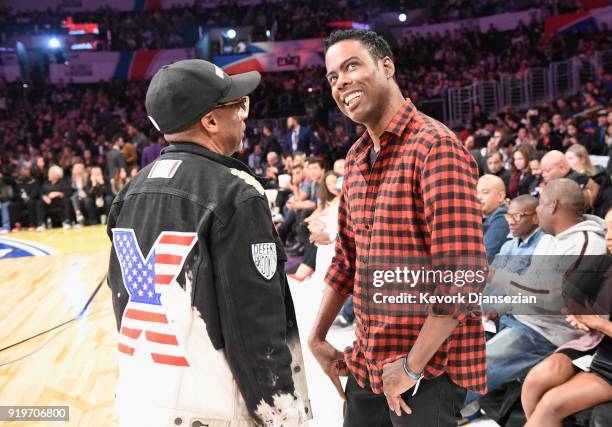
(52, 351)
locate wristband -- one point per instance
(412, 375)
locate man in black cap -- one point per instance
(207, 329)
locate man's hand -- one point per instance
(490, 315)
(46, 199)
(55, 194)
(331, 361)
(585, 322)
(396, 382)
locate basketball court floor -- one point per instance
(58, 343)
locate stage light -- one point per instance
(54, 43)
(402, 17)
(231, 34)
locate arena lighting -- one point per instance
(402, 17)
(231, 34)
(54, 43)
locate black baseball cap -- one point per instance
(181, 93)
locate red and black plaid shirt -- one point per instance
(418, 201)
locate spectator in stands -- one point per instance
(118, 181)
(535, 167)
(520, 174)
(79, 195)
(525, 339)
(548, 140)
(579, 161)
(138, 138)
(273, 167)
(495, 166)
(548, 399)
(152, 151)
(299, 138)
(554, 165)
(114, 157)
(269, 142)
(6, 194)
(515, 255)
(26, 199)
(40, 170)
(559, 128)
(100, 196)
(255, 161)
(574, 137)
(55, 203)
(491, 193)
(130, 155)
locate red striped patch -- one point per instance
(163, 279)
(126, 349)
(169, 360)
(168, 259)
(161, 338)
(177, 240)
(129, 332)
(146, 316)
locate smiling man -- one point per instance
(409, 192)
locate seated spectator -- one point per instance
(491, 193)
(273, 167)
(6, 194)
(129, 154)
(55, 203)
(255, 161)
(515, 255)
(40, 171)
(495, 166)
(579, 161)
(574, 137)
(26, 199)
(525, 339)
(323, 229)
(100, 197)
(138, 138)
(535, 167)
(269, 142)
(555, 165)
(548, 140)
(520, 174)
(79, 196)
(118, 181)
(548, 399)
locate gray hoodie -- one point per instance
(545, 275)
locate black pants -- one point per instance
(436, 404)
(25, 212)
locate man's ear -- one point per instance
(554, 205)
(209, 123)
(388, 67)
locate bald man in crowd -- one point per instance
(555, 165)
(525, 339)
(491, 193)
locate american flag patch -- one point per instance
(146, 325)
(164, 168)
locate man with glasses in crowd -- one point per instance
(208, 334)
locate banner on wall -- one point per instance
(581, 21)
(502, 22)
(274, 57)
(91, 67)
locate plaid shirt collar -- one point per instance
(396, 127)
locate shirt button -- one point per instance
(290, 323)
(365, 328)
(178, 421)
(367, 227)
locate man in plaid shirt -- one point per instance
(408, 204)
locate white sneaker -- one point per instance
(103, 219)
(66, 226)
(40, 228)
(5, 231)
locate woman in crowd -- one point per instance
(79, 194)
(556, 387)
(578, 158)
(100, 197)
(323, 228)
(520, 174)
(119, 181)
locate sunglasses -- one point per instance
(243, 103)
(516, 217)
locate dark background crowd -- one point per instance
(66, 150)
